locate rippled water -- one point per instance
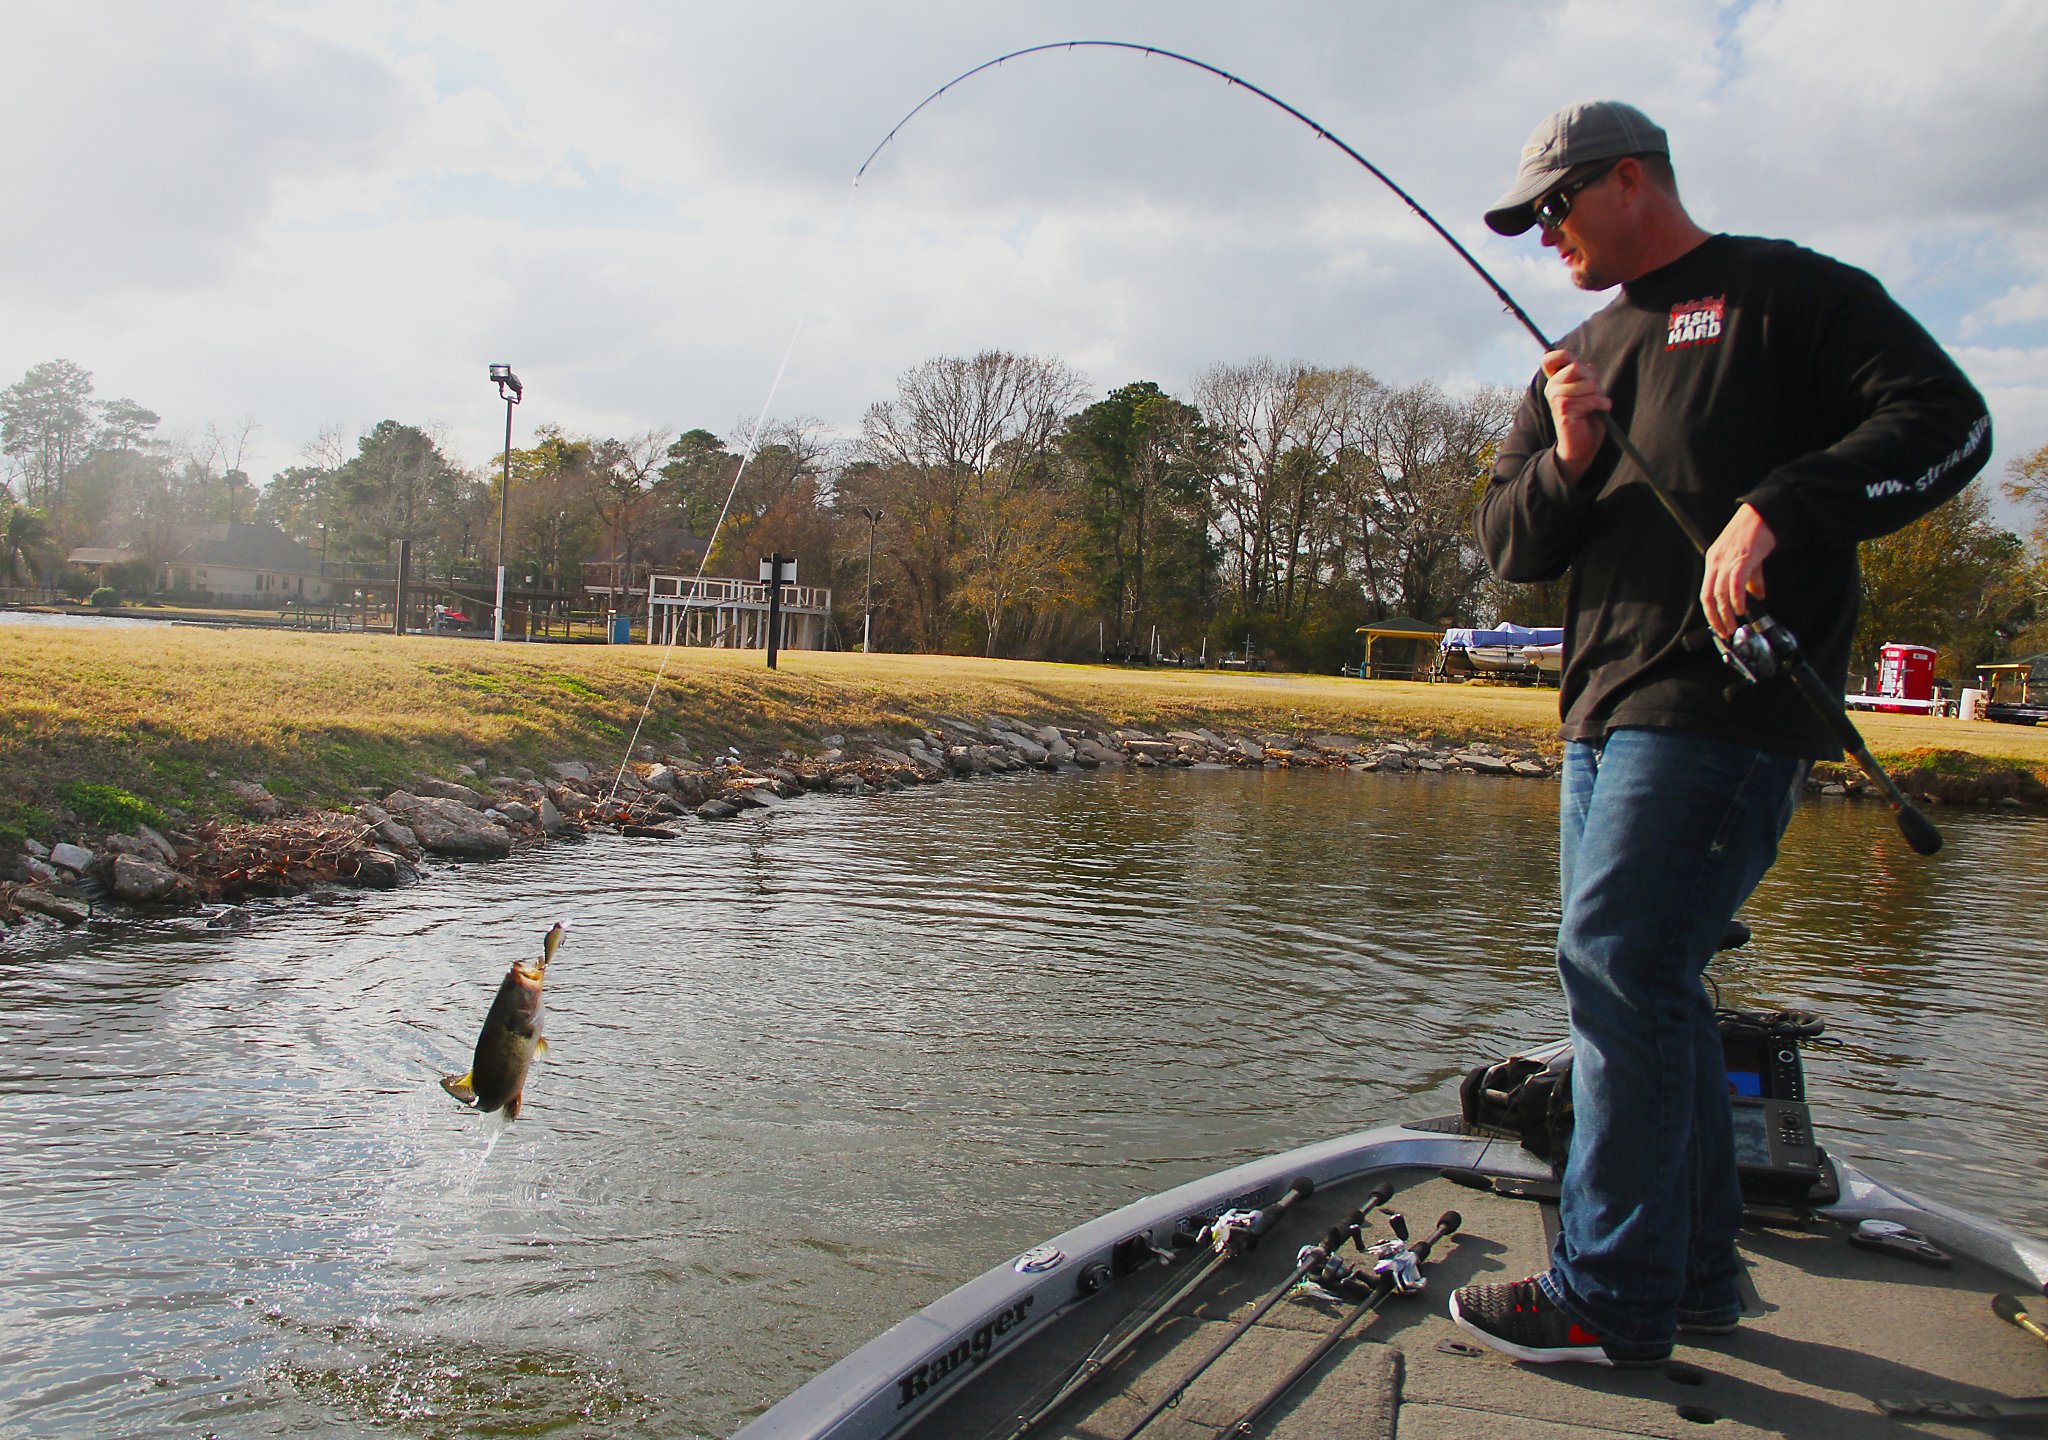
(812, 1069)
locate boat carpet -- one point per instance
(1833, 1331)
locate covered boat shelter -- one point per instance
(1403, 636)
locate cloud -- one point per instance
(341, 214)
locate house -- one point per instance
(234, 564)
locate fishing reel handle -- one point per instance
(1446, 1224)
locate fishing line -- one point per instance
(752, 449)
(1760, 650)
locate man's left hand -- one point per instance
(1735, 570)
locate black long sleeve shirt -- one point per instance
(1747, 371)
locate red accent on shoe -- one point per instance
(1580, 1335)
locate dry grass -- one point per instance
(170, 713)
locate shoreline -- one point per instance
(387, 843)
(150, 771)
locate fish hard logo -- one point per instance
(1696, 322)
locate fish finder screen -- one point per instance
(1745, 1082)
(1752, 1139)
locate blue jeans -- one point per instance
(1662, 835)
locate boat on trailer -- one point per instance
(1867, 1310)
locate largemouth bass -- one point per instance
(510, 1037)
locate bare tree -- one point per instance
(1412, 463)
(952, 454)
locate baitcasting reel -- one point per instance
(1759, 650)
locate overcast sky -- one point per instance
(325, 215)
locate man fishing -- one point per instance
(1791, 409)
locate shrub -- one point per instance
(74, 582)
(105, 595)
(110, 807)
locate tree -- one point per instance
(398, 486)
(46, 426)
(953, 454)
(1270, 488)
(124, 425)
(626, 472)
(26, 545)
(698, 474)
(2026, 484)
(1141, 457)
(1952, 579)
(1412, 463)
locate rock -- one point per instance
(519, 812)
(70, 857)
(1093, 753)
(150, 882)
(1434, 767)
(571, 770)
(448, 790)
(661, 778)
(650, 832)
(382, 870)
(36, 848)
(61, 908)
(1032, 752)
(717, 810)
(256, 799)
(1482, 763)
(449, 827)
(387, 829)
(40, 871)
(1251, 750)
(550, 817)
(1152, 751)
(166, 851)
(1534, 769)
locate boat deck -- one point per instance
(1831, 1331)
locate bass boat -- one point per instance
(1289, 1297)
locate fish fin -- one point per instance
(540, 1045)
(462, 1087)
(512, 1106)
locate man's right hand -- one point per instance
(1576, 401)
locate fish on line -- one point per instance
(510, 1038)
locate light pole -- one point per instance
(512, 392)
(867, 605)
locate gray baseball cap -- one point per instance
(1572, 139)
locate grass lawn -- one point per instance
(168, 714)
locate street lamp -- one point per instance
(511, 391)
(867, 605)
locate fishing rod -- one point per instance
(1311, 1257)
(1398, 1272)
(1229, 1235)
(1759, 650)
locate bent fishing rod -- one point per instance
(1760, 650)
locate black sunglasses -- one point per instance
(1552, 209)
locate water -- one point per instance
(810, 1070)
(67, 620)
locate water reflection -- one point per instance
(809, 1070)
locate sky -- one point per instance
(309, 217)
